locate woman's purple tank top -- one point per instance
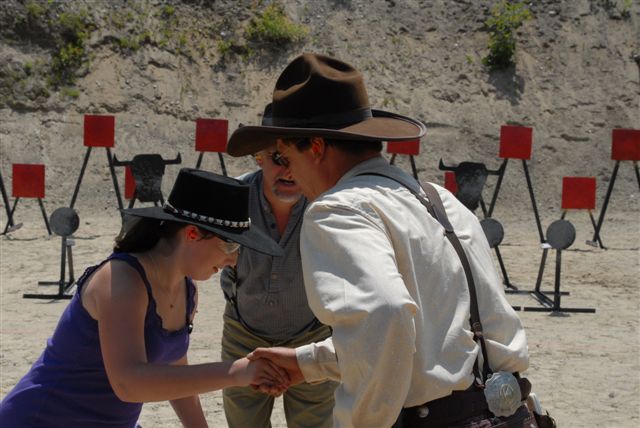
(68, 386)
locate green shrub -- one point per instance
(168, 11)
(182, 40)
(71, 55)
(224, 47)
(118, 20)
(129, 43)
(35, 10)
(505, 18)
(274, 26)
(625, 9)
(75, 27)
(70, 92)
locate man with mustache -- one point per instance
(267, 304)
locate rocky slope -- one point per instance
(158, 66)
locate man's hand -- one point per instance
(282, 357)
(271, 378)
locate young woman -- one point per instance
(123, 338)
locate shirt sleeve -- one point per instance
(318, 361)
(353, 285)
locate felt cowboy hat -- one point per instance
(320, 96)
(215, 203)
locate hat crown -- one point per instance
(319, 91)
(320, 96)
(211, 195)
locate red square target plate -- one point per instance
(515, 142)
(211, 135)
(578, 193)
(28, 181)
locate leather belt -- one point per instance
(458, 406)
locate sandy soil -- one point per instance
(584, 367)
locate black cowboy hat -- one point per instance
(215, 203)
(320, 96)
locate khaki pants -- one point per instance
(305, 405)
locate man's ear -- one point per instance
(259, 157)
(318, 146)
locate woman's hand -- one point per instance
(261, 374)
(283, 358)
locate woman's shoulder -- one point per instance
(116, 281)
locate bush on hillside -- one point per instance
(274, 26)
(505, 18)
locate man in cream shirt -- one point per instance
(377, 267)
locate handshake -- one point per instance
(268, 370)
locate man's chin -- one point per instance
(287, 196)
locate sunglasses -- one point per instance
(280, 159)
(275, 157)
(227, 245)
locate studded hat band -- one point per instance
(206, 219)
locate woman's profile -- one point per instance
(123, 338)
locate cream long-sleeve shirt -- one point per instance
(379, 270)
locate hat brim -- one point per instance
(382, 126)
(251, 238)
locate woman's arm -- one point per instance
(119, 301)
(188, 409)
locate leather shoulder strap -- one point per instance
(435, 207)
(476, 325)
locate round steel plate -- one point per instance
(561, 234)
(64, 221)
(493, 231)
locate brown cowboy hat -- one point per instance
(320, 96)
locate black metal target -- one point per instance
(561, 234)
(64, 221)
(493, 230)
(147, 171)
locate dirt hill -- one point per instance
(158, 66)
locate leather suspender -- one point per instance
(476, 325)
(435, 207)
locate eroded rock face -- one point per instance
(157, 69)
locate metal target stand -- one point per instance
(560, 235)
(494, 232)
(28, 182)
(470, 179)
(99, 131)
(64, 222)
(579, 193)
(625, 146)
(147, 171)
(10, 227)
(410, 148)
(516, 143)
(211, 136)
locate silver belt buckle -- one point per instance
(503, 394)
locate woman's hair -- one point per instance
(140, 234)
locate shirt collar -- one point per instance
(372, 164)
(380, 165)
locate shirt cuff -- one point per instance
(318, 362)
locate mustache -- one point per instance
(291, 180)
